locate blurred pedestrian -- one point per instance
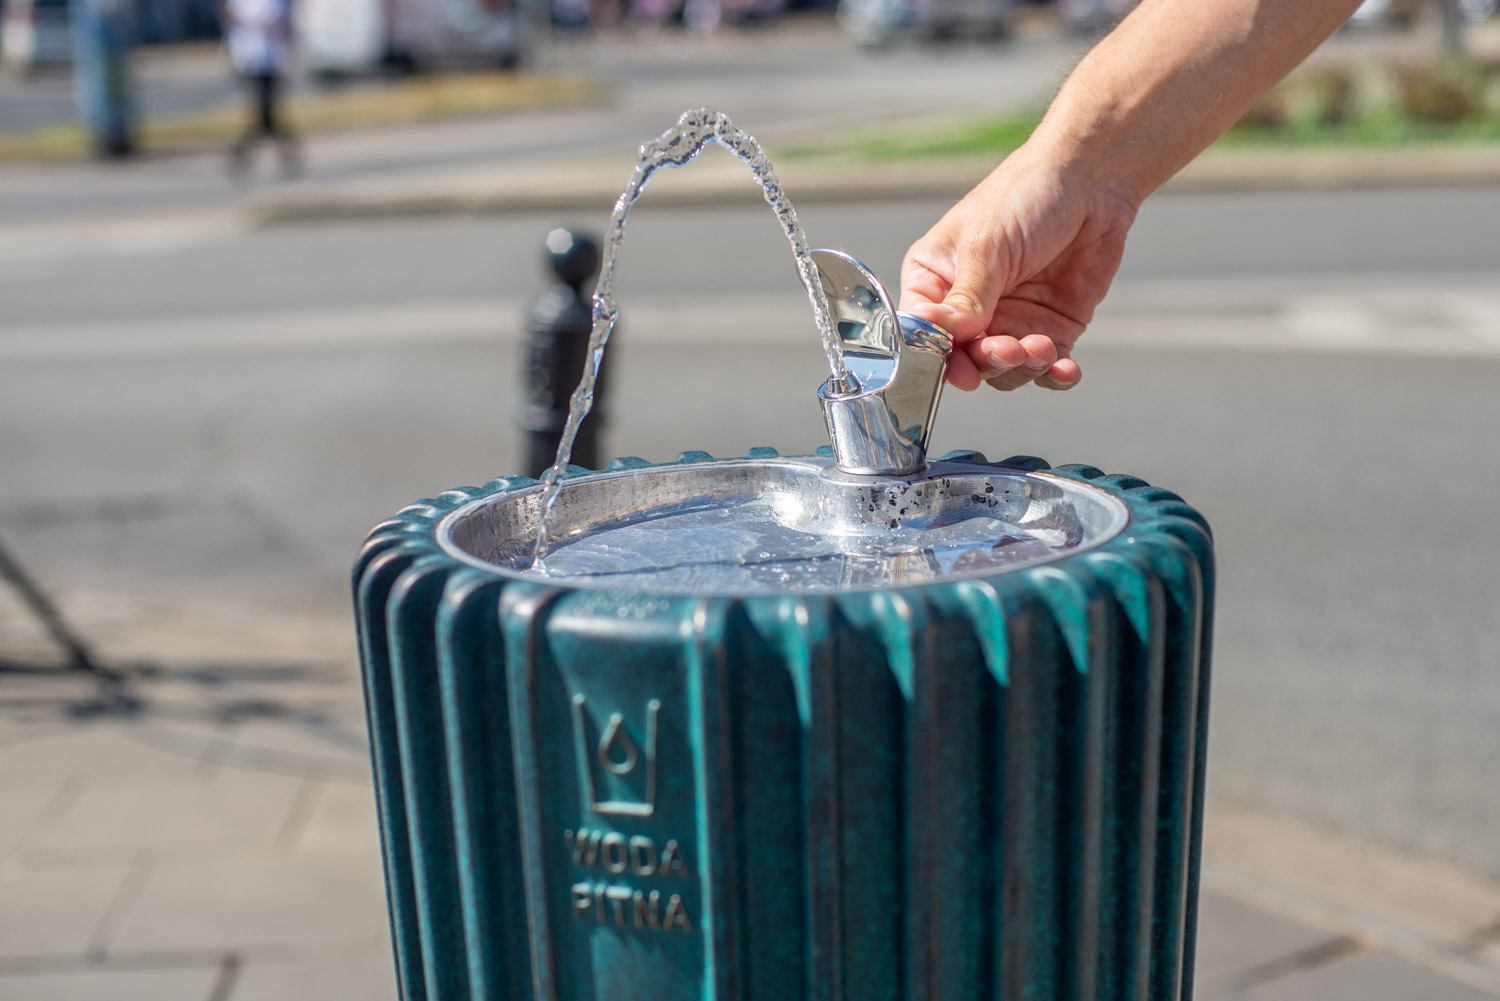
(103, 33)
(702, 16)
(259, 35)
(1015, 270)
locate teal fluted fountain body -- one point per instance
(980, 786)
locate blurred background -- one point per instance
(222, 362)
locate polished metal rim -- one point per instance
(808, 494)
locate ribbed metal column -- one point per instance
(988, 788)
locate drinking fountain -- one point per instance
(854, 725)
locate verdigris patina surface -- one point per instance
(981, 787)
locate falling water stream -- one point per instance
(676, 147)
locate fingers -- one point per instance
(970, 302)
(1007, 363)
(1004, 355)
(1064, 375)
(922, 284)
(954, 303)
(952, 287)
(962, 374)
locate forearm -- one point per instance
(1015, 270)
(1172, 78)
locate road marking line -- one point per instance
(271, 331)
(63, 241)
(1462, 323)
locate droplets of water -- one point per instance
(678, 146)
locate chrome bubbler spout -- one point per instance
(881, 417)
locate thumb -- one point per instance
(966, 309)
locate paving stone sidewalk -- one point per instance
(205, 831)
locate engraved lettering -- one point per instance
(638, 854)
(671, 860)
(642, 856)
(624, 907)
(676, 915)
(615, 859)
(618, 896)
(584, 846)
(647, 909)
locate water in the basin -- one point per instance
(677, 147)
(743, 549)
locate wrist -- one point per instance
(1089, 162)
(1093, 148)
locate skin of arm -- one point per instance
(1015, 270)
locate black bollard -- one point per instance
(558, 328)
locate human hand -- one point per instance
(1015, 270)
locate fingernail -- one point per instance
(944, 315)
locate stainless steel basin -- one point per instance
(752, 526)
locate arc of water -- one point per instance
(677, 147)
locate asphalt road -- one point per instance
(213, 418)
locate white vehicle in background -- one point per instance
(1398, 13)
(881, 22)
(1404, 13)
(1092, 15)
(35, 34)
(348, 37)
